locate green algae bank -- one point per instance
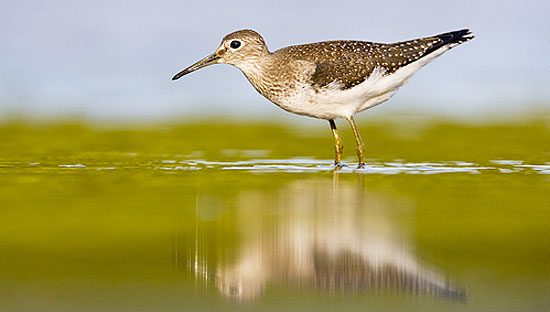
(225, 216)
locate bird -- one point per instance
(330, 79)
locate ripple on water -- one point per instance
(296, 165)
(373, 167)
(72, 166)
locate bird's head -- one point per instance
(241, 49)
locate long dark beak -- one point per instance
(209, 60)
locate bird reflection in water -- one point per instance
(323, 236)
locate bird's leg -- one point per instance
(360, 147)
(338, 144)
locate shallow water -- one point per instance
(89, 226)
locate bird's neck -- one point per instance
(257, 71)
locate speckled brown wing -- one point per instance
(358, 60)
(349, 63)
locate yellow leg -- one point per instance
(360, 147)
(338, 144)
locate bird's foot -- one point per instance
(361, 165)
(338, 165)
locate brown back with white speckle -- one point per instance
(351, 62)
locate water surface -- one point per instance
(159, 220)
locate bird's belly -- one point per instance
(331, 103)
(328, 105)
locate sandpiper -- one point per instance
(331, 79)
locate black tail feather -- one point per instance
(456, 37)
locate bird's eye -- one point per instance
(235, 44)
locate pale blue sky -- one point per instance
(114, 59)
